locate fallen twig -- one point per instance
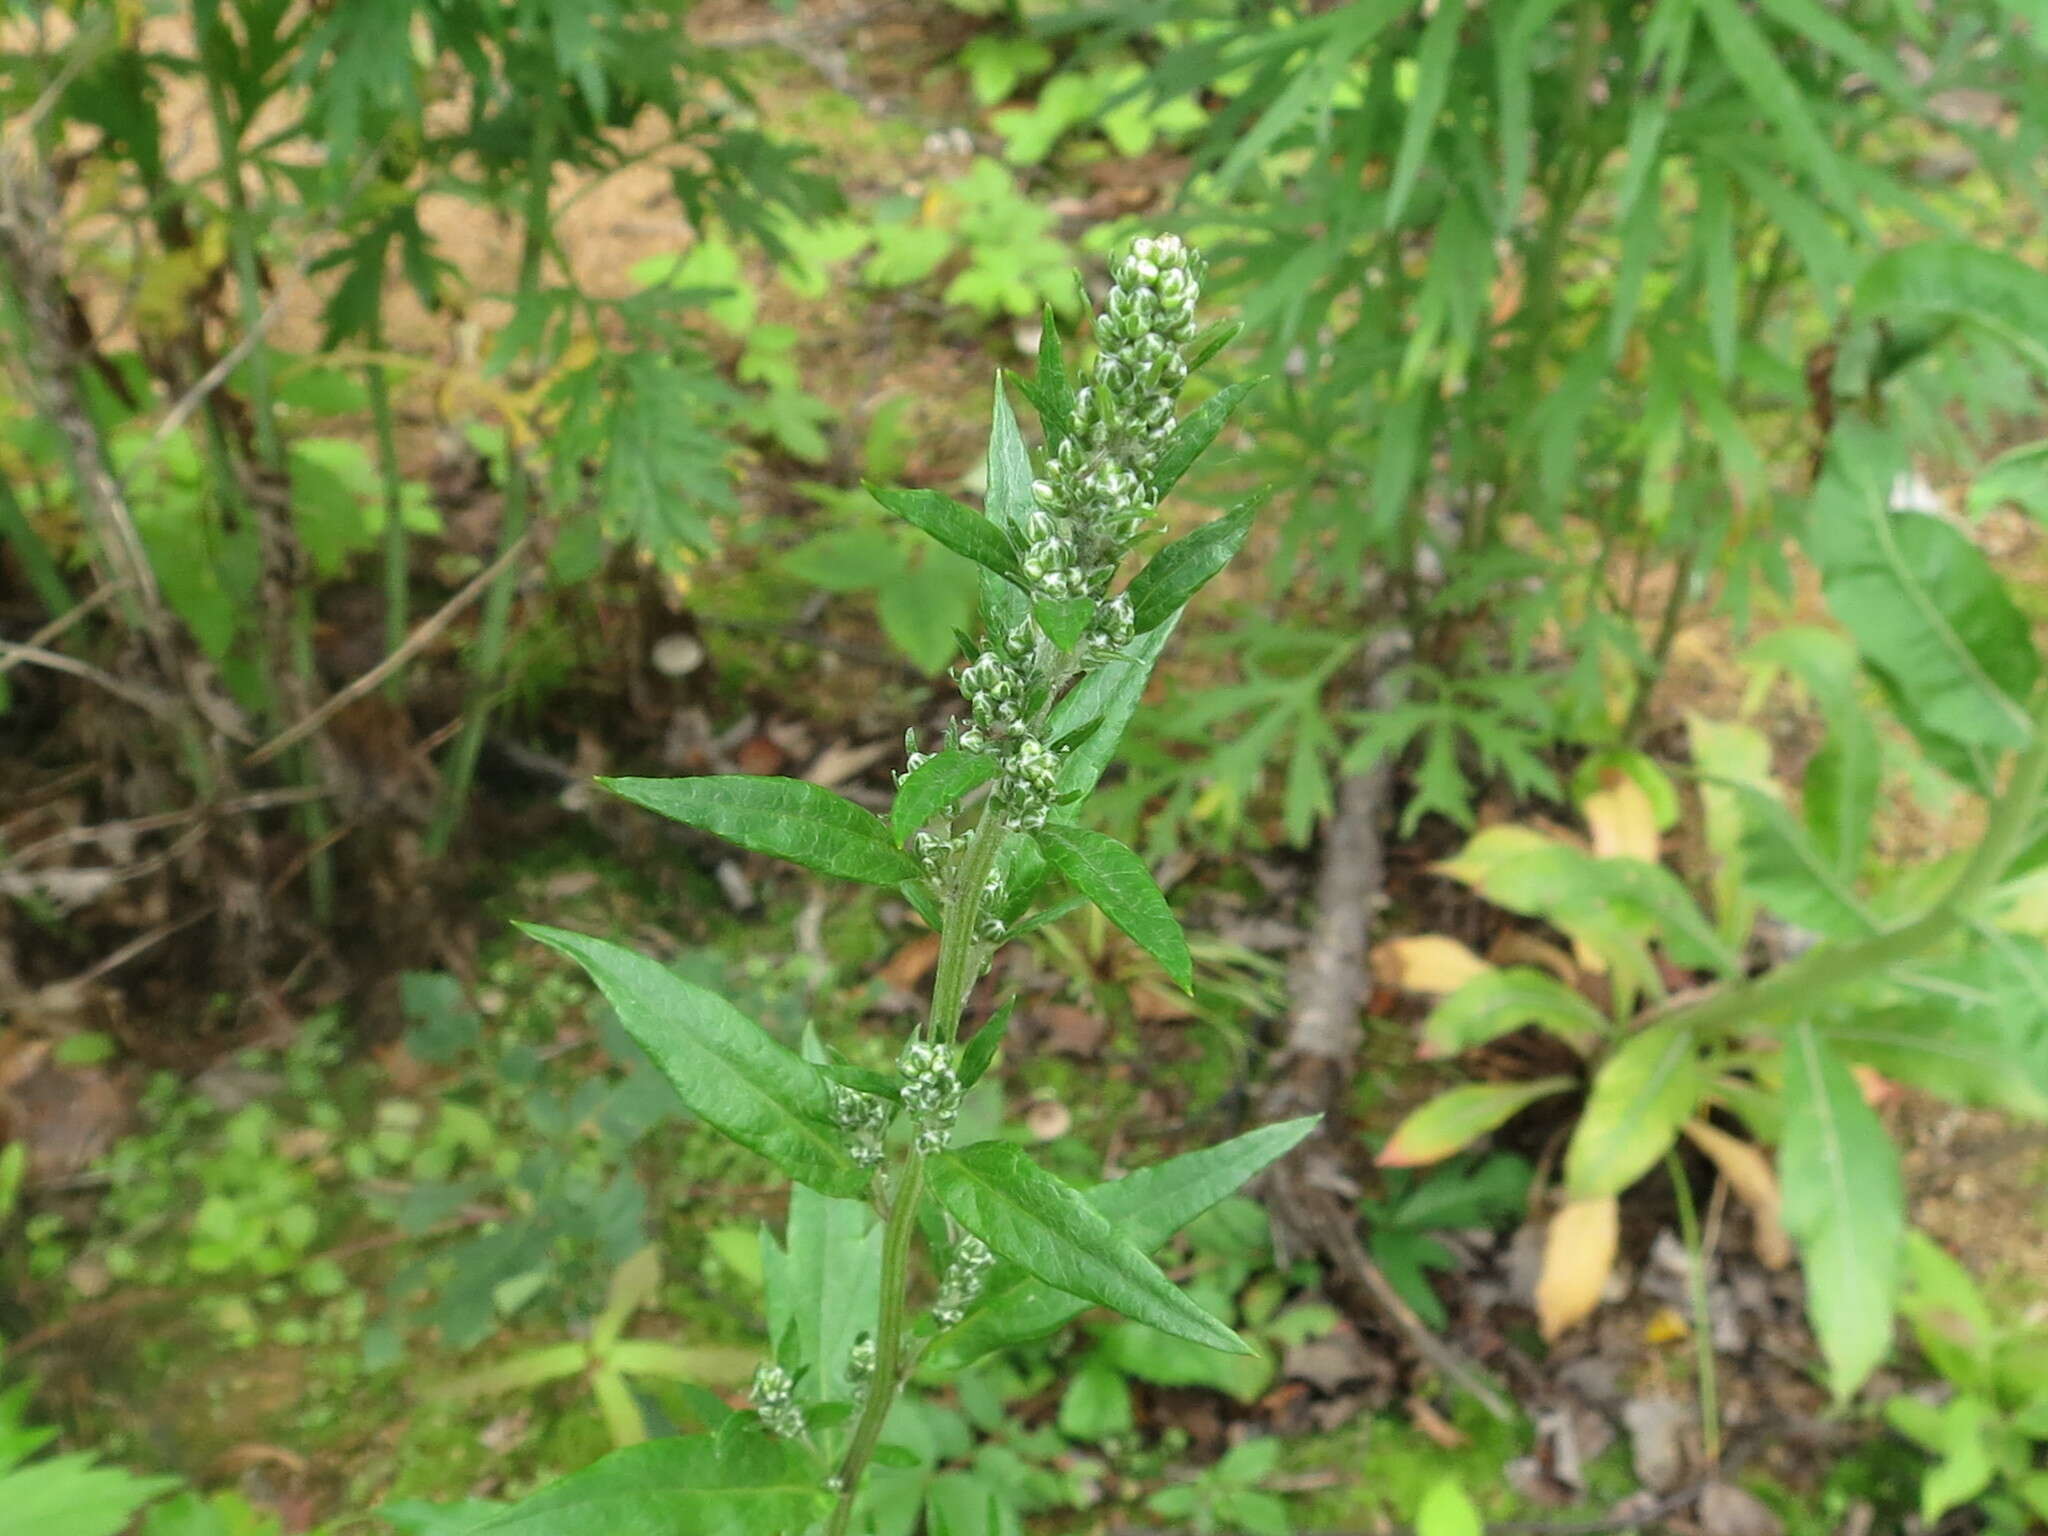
(423, 634)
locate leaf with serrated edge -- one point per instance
(788, 818)
(1116, 880)
(686, 1485)
(936, 784)
(960, 528)
(1191, 439)
(730, 1072)
(1048, 1227)
(1147, 1206)
(1181, 569)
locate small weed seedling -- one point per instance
(980, 839)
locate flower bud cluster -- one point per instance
(860, 1366)
(960, 1287)
(996, 688)
(865, 1119)
(1097, 492)
(774, 1396)
(931, 1094)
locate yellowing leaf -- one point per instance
(1427, 962)
(1578, 1256)
(1622, 820)
(1749, 1174)
(1666, 1326)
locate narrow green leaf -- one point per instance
(1499, 1002)
(729, 1071)
(1147, 1206)
(1116, 880)
(1009, 502)
(786, 817)
(1715, 236)
(1064, 619)
(1180, 570)
(936, 785)
(1191, 439)
(1108, 695)
(690, 1485)
(1453, 1120)
(1518, 26)
(1049, 1228)
(722, 1363)
(1212, 341)
(1055, 392)
(1640, 1098)
(1922, 601)
(1844, 1207)
(981, 1050)
(1433, 59)
(960, 528)
(1754, 63)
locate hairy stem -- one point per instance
(887, 1382)
(966, 881)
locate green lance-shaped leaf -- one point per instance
(822, 1286)
(1925, 606)
(1986, 1054)
(1499, 1002)
(936, 784)
(786, 817)
(981, 1050)
(1788, 872)
(1191, 439)
(691, 1485)
(1107, 698)
(1049, 1228)
(1116, 880)
(1453, 1120)
(1640, 1098)
(1064, 619)
(1009, 502)
(1844, 1205)
(1147, 1206)
(960, 528)
(1184, 567)
(729, 1071)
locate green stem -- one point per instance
(1830, 965)
(488, 658)
(1702, 1322)
(37, 563)
(397, 558)
(964, 885)
(956, 970)
(887, 1381)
